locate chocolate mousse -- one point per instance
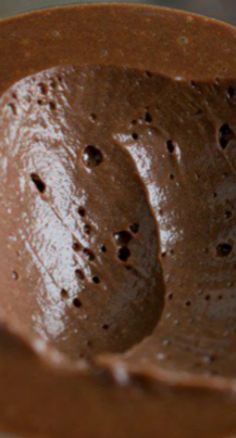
(118, 237)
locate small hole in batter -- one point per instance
(227, 214)
(76, 246)
(64, 294)
(93, 117)
(103, 248)
(196, 87)
(148, 117)
(223, 249)
(82, 211)
(231, 93)
(96, 279)
(213, 357)
(87, 229)
(89, 254)
(124, 253)
(40, 185)
(209, 358)
(225, 135)
(105, 326)
(43, 88)
(77, 303)
(13, 109)
(15, 275)
(170, 146)
(53, 84)
(198, 113)
(172, 176)
(79, 274)
(135, 135)
(188, 303)
(134, 228)
(207, 297)
(183, 39)
(225, 174)
(52, 106)
(92, 156)
(122, 237)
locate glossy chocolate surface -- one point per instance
(117, 237)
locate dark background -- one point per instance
(222, 9)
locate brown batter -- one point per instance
(117, 237)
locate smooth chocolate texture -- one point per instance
(117, 207)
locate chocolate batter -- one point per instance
(117, 237)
